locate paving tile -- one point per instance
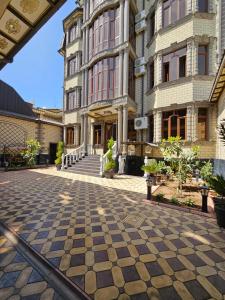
(104, 279)
(122, 252)
(195, 288)
(130, 274)
(77, 260)
(169, 293)
(154, 269)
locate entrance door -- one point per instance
(110, 131)
(52, 153)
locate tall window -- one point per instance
(173, 10)
(74, 99)
(132, 38)
(203, 5)
(174, 124)
(97, 134)
(174, 65)
(202, 124)
(73, 33)
(131, 85)
(203, 60)
(70, 136)
(152, 26)
(72, 66)
(151, 129)
(151, 79)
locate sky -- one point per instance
(37, 70)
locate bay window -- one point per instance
(174, 124)
(174, 65)
(203, 60)
(73, 100)
(173, 10)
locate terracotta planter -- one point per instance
(58, 167)
(109, 174)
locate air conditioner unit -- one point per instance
(139, 71)
(139, 62)
(141, 123)
(140, 16)
(140, 26)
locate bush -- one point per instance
(189, 202)
(174, 201)
(110, 165)
(159, 197)
(31, 151)
(206, 171)
(60, 150)
(152, 167)
(217, 183)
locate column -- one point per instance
(88, 9)
(188, 7)
(155, 126)
(83, 89)
(85, 132)
(195, 58)
(194, 123)
(86, 87)
(194, 6)
(189, 58)
(158, 127)
(67, 37)
(120, 80)
(121, 13)
(82, 129)
(189, 123)
(125, 123)
(126, 21)
(64, 135)
(120, 126)
(125, 72)
(76, 134)
(159, 16)
(84, 46)
(159, 68)
(87, 45)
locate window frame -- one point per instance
(167, 5)
(168, 121)
(206, 55)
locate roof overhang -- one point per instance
(19, 21)
(219, 83)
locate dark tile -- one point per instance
(134, 235)
(165, 231)
(121, 290)
(59, 245)
(150, 233)
(51, 217)
(17, 259)
(42, 235)
(196, 289)
(142, 249)
(122, 252)
(109, 218)
(195, 260)
(142, 296)
(194, 227)
(130, 274)
(80, 221)
(37, 247)
(175, 264)
(104, 279)
(79, 230)
(117, 238)
(98, 240)
(194, 242)
(79, 280)
(61, 232)
(31, 297)
(97, 228)
(47, 224)
(101, 256)
(112, 226)
(154, 269)
(64, 222)
(95, 220)
(161, 246)
(213, 256)
(179, 243)
(9, 279)
(29, 226)
(79, 243)
(77, 260)
(218, 283)
(169, 293)
(35, 277)
(55, 261)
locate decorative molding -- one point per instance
(29, 6)
(13, 26)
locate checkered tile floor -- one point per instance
(111, 243)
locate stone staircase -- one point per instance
(88, 165)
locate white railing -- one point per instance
(104, 158)
(72, 157)
(90, 149)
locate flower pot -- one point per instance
(58, 167)
(109, 174)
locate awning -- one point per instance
(219, 83)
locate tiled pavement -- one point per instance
(105, 238)
(18, 279)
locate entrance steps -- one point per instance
(88, 165)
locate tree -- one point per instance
(222, 131)
(182, 161)
(59, 152)
(31, 151)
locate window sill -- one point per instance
(73, 42)
(72, 76)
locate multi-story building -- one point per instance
(156, 60)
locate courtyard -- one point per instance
(104, 238)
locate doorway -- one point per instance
(52, 153)
(110, 131)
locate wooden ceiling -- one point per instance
(219, 84)
(19, 21)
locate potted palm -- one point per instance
(151, 169)
(60, 150)
(217, 183)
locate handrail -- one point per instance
(73, 156)
(104, 158)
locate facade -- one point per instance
(152, 59)
(20, 121)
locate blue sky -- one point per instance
(37, 70)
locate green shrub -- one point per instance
(217, 183)
(174, 201)
(206, 171)
(59, 152)
(31, 151)
(159, 197)
(110, 165)
(152, 167)
(189, 202)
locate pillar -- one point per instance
(189, 123)
(126, 20)
(159, 16)
(189, 58)
(195, 58)
(158, 127)
(159, 69)
(120, 80)
(82, 129)
(120, 126)
(64, 135)
(121, 13)
(125, 123)
(76, 134)
(125, 72)
(85, 122)
(194, 123)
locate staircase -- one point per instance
(88, 165)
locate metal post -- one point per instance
(149, 192)
(204, 203)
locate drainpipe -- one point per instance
(142, 78)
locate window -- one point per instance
(151, 129)
(202, 60)
(174, 124)
(174, 65)
(97, 134)
(152, 26)
(72, 66)
(151, 71)
(132, 38)
(70, 136)
(73, 99)
(173, 10)
(131, 84)
(203, 5)
(73, 33)
(202, 124)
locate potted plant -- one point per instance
(109, 168)
(59, 152)
(217, 183)
(151, 169)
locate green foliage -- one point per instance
(110, 165)
(206, 171)
(189, 202)
(181, 161)
(31, 151)
(59, 152)
(174, 201)
(217, 183)
(222, 131)
(159, 197)
(164, 169)
(152, 167)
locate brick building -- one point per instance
(153, 60)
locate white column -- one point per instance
(126, 21)
(125, 72)
(194, 123)
(189, 58)
(82, 129)
(120, 80)
(155, 125)
(125, 123)
(64, 135)
(159, 15)
(85, 132)
(84, 47)
(158, 126)
(121, 13)
(195, 58)
(76, 135)
(159, 68)
(189, 123)
(120, 126)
